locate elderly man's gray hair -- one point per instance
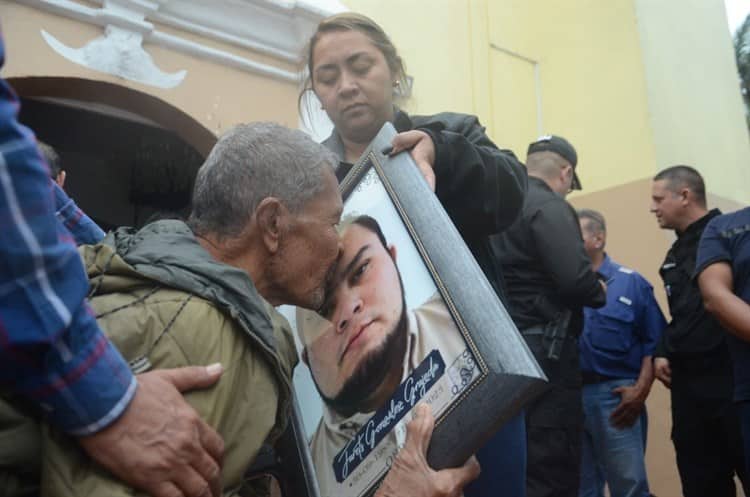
(249, 163)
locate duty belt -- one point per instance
(553, 335)
(592, 378)
(533, 331)
(538, 330)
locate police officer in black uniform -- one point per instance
(549, 280)
(692, 358)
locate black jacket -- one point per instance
(480, 186)
(693, 332)
(544, 264)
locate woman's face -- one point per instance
(352, 79)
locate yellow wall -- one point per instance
(436, 52)
(591, 88)
(694, 100)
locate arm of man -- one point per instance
(84, 230)
(716, 284)
(557, 236)
(651, 330)
(649, 325)
(52, 350)
(246, 405)
(411, 475)
(662, 369)
(632, 398)
(481, 187)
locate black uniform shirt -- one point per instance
(693, 332)
(545, 266)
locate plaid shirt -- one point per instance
(51, 349)
(84, 230)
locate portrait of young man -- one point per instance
(367, 349)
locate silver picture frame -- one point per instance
(499, 376)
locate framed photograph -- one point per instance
(409, 317)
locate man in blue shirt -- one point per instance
(616, 347)
(723, 271)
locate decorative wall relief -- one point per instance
(118, 52)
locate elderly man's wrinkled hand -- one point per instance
(160, 444)
(627, 412)
(411, 476)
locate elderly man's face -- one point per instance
(310, 248)
(365, 329)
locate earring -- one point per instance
(397, 89)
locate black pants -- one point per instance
(554, 425)
(706, 436)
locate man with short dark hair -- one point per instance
(549, 281)
(692, 358)
(616, 350)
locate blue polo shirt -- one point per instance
(727, 239)
(618, 336)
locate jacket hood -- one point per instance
(167, 252)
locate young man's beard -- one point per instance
(372, 369)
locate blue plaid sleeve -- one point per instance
(84, 230)
(51, 349)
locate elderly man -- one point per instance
(616, 350)
(261, 233)
(549, 281)
(367, 342)
(692, 358)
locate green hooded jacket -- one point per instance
(166, 303)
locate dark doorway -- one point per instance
(121, 169)
(123, 165)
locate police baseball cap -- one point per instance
(562, 147)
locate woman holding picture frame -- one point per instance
(356, 73)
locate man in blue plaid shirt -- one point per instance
(53, 353)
